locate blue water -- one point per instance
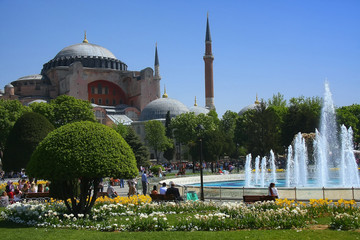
(241, 183)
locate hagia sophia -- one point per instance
(91, 72)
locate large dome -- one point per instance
(158, 109)
(85, 50)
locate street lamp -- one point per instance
(200, 128)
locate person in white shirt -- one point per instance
(163, 189)
(273, 190)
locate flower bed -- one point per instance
(139, 214)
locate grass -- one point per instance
(13, 231)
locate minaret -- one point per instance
(156, 65)
(157, 76)
(209, 76)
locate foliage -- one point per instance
(10, 111)
(155, 169)
(155, 137)
(227, 127)
(350, 117)
(121, 129)
(259, 130)
(81, 153)
(142, 154)
(303, 116)
(170, 150)
(277, 100)
(29, 130)
(65, 109)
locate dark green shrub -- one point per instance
(30, 129)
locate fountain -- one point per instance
(335, 163)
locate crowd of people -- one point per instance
(16, 192)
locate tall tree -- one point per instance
(142, 154)
(155, 137)
(258, 130)
(227, 127)
(169, 152)
(29, 130)
(10, 111)
(303, 116)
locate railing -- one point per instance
(297, 194)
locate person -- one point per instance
(25, 189)
(132, 188)
(4, 199)
(144, 182)
(47, 187)
(160, 173)
(154, 191)
(17, 195)
(111, 191)
(273, 190)
(220, 172)
(40, 188)
(9, 187)
(122, 183)
(163, 189)
(175, 191)
(32, 188)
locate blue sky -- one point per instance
(262, 47)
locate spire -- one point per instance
(165, 94)
(156, 56)
(157, 66)
(195, 104)
(208, 36)
(257, 100)
(85, 40)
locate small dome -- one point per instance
(85, 50)
(158, 109)
(36, 101)
(9, 86)
(198, 110)
(247, 108)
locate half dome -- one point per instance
(158, 109)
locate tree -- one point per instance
(169, 152)
(277, 100)
(29, 130)
(76, 156)
(10, 111)
(121, 129)
(142, 154)
(155, 137)
(350, 117)
(227, 127)
(65, 109)
(303, 116)
(259, 130)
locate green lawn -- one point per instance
(13, 231)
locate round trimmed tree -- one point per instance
(76, 156)
(29, 130)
